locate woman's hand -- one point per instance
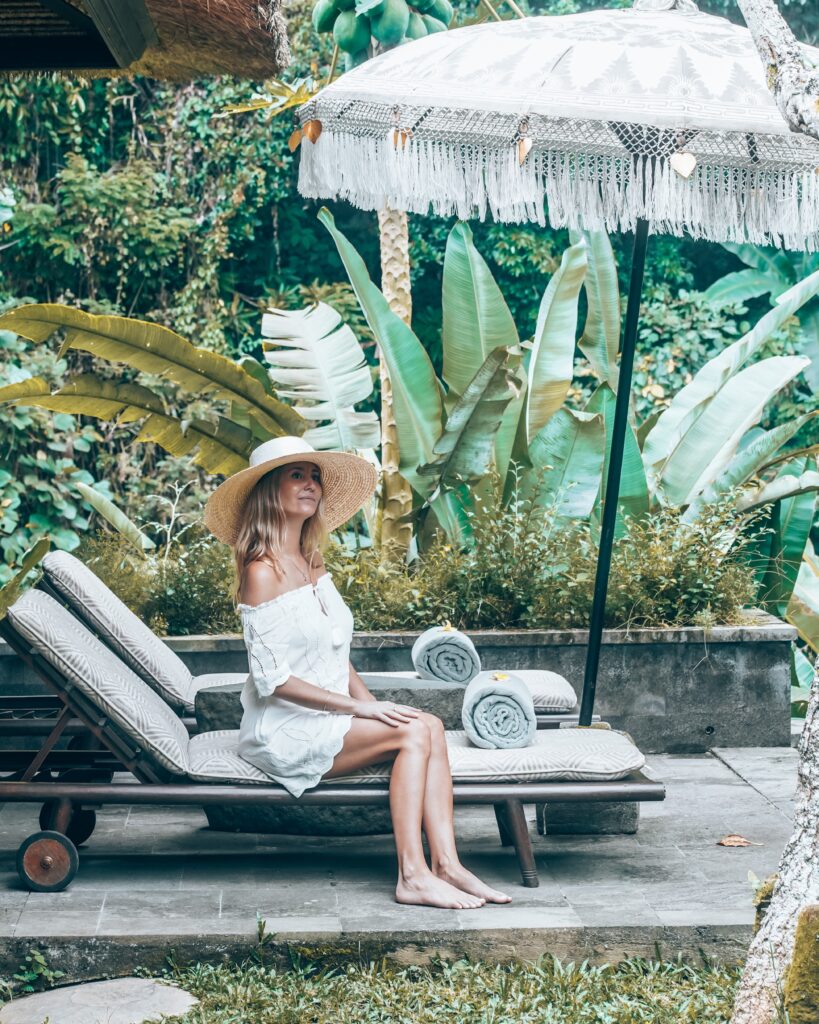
(385, 711)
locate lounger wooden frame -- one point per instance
(115, 751)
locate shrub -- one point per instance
(527, 568)
(530, 569)
(188, 589)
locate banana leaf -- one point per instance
(763, 257)
(31, 559)
(476, 320)
(803, 608)
(416, 395)
(790, 525)
(633, 499)
(567, 458)
(159, 350)
(744, 285)
(801, 682)
(223, 447)
(255, 369)
(317, 361)
(711, 440)
(116, 517)
(551, 363)
(747, 462)
(465, 450)
(600, 343)
(785, 487)
(693, 401)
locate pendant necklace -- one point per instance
(336, 634)
(308, 581)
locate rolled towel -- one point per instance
(498, 711)
(445, 653)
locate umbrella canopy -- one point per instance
(596, 120)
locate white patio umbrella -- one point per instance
(655, 119)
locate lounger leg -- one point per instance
(62, 816)
(503, 828)
(519, 831)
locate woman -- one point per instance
(307, 713)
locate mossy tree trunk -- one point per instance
(395, 284)
(792, 79)
(771, 952)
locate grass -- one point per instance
(546, 992)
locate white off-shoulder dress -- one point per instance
(304, 633)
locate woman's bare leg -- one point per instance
(409, 746)
(438, 820)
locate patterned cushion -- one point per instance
(217, 679)
(213, 758)
(550, 692)
(100, 676)
(103, 612)
(557, 755)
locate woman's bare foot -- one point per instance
(457, 876)
(427, 890)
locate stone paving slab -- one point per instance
(154, 879)
(122, 1001)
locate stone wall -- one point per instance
(673, 690)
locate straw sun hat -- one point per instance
(346, 481)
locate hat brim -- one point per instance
(347, 481)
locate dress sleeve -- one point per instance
(267, 638)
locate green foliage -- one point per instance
(770, 272)
(43, 457)
(10, 591)
(528, 568)
(517, 992)
(35, 973)
(187, 589)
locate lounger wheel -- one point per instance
(47, 862)
(80, 827)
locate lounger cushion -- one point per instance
(551, 693)
(103, 612)
(569, 755)
(99, 675)
(210, 679)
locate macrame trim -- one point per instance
(593, 175)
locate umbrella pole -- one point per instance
(618, 437)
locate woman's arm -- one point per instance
(358, 688)
(298, 691)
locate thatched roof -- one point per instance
(170, 39)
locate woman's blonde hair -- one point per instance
(262, 533)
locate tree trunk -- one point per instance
(395, 284)
(771, 951)
(794, 84)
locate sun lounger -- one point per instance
(138, 732)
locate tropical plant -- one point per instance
(45, 457)
(687, 456)
(316, 360)
(222, 444)
(771, 272)
(28, 563)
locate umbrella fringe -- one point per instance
(769, 206)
